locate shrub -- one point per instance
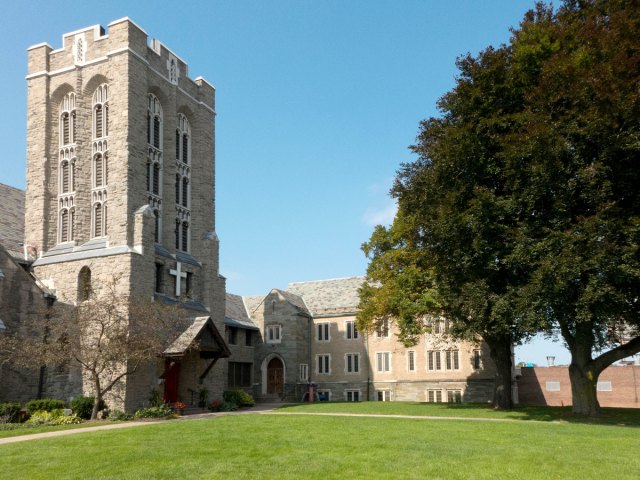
(43, 405)
(54, 417)
(228, 407)
(155, 399)
(9, 412)
(120, 416)
(239, 397)
(161, 411)
(214, 406)
(83, 406)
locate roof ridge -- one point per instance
(327, 280)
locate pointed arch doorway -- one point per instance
(275, 377)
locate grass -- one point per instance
(26, 429)
(610, 416)
(292, 446)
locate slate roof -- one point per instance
(12, 219)
(339, 295)
(294, 300)
(191, 334)
(236, 314)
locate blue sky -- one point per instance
(317, 102)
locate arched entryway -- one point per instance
(275, 377)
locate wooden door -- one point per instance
(171, 376)
(275, 377)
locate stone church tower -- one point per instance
(120, 179)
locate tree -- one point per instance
(578, 183)
(109, 336)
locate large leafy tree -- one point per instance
(578, 183)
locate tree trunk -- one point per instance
(500, 351)
(584, 379)
(97, 397)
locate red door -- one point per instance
(171, 376)
(275, 377)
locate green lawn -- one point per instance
(25, 429)
(291, 446)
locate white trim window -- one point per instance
(383, 362)
(604, 386)
(323, 364)
(434, 396)
(324, 395)
(477, 360)
(303, 372)
(323, 332)
(273, 333)
(67, 169)
(454, 396)
(433, 360)
(452, 360)
(352, 363)
(183, 183)
(352, 395)
(383, 395)
(154, 162)
(351, 331)
(411, 361)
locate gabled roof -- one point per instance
(12, 219)
(339, 295)
(294, 300)
(196, 332)
(236, 314)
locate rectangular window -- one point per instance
(323, 332)
(476, 359)
(383, 329)
(434, 396)
(451, 360)
(604, 386)
(383, 395)
(411, 361)
(352, 395)
(189, 292)
(454, 396)
(434, 362)
(273, 334)
(248, 338)
(324, 395)
(552, 386)
(323, 363)
(159, 275)
(383, 361)
(352, 362)
(232, 335)
(352, 331)
(303, 370)
(239, 374)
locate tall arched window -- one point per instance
(100, 162)
(183, 177)
(84, 284)
(154, 161)
(66, 168)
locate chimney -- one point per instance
(551, 360)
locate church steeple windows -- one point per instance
(183, 177)
(99, 164)
(154, 161)
(66, 168)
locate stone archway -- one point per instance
(273, 375)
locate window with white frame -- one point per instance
(351, 330)
(452, 361)
(273, 333)
(324, 395)
(382, 331)
(383, 361)
(434, 396)
(323, 331)
(433, 360)
(383, 395)
(604, 386)
(352, 395)
(154, 161)
(552, 386)
(67, 169)
(411, 361)
(183, 182)
(303, 372)
(454, 396)
(323, 364)
(352, 362)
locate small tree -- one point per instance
(109, 335)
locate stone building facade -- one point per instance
(121, 181)
(307, 334)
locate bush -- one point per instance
(43, 405)
(239, 397)
(161, 411)
(119, 416)
(227, 407)
(83, 406)
(54, 417)
(9, 412)
(214, 406)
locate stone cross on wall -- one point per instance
(179, 274)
